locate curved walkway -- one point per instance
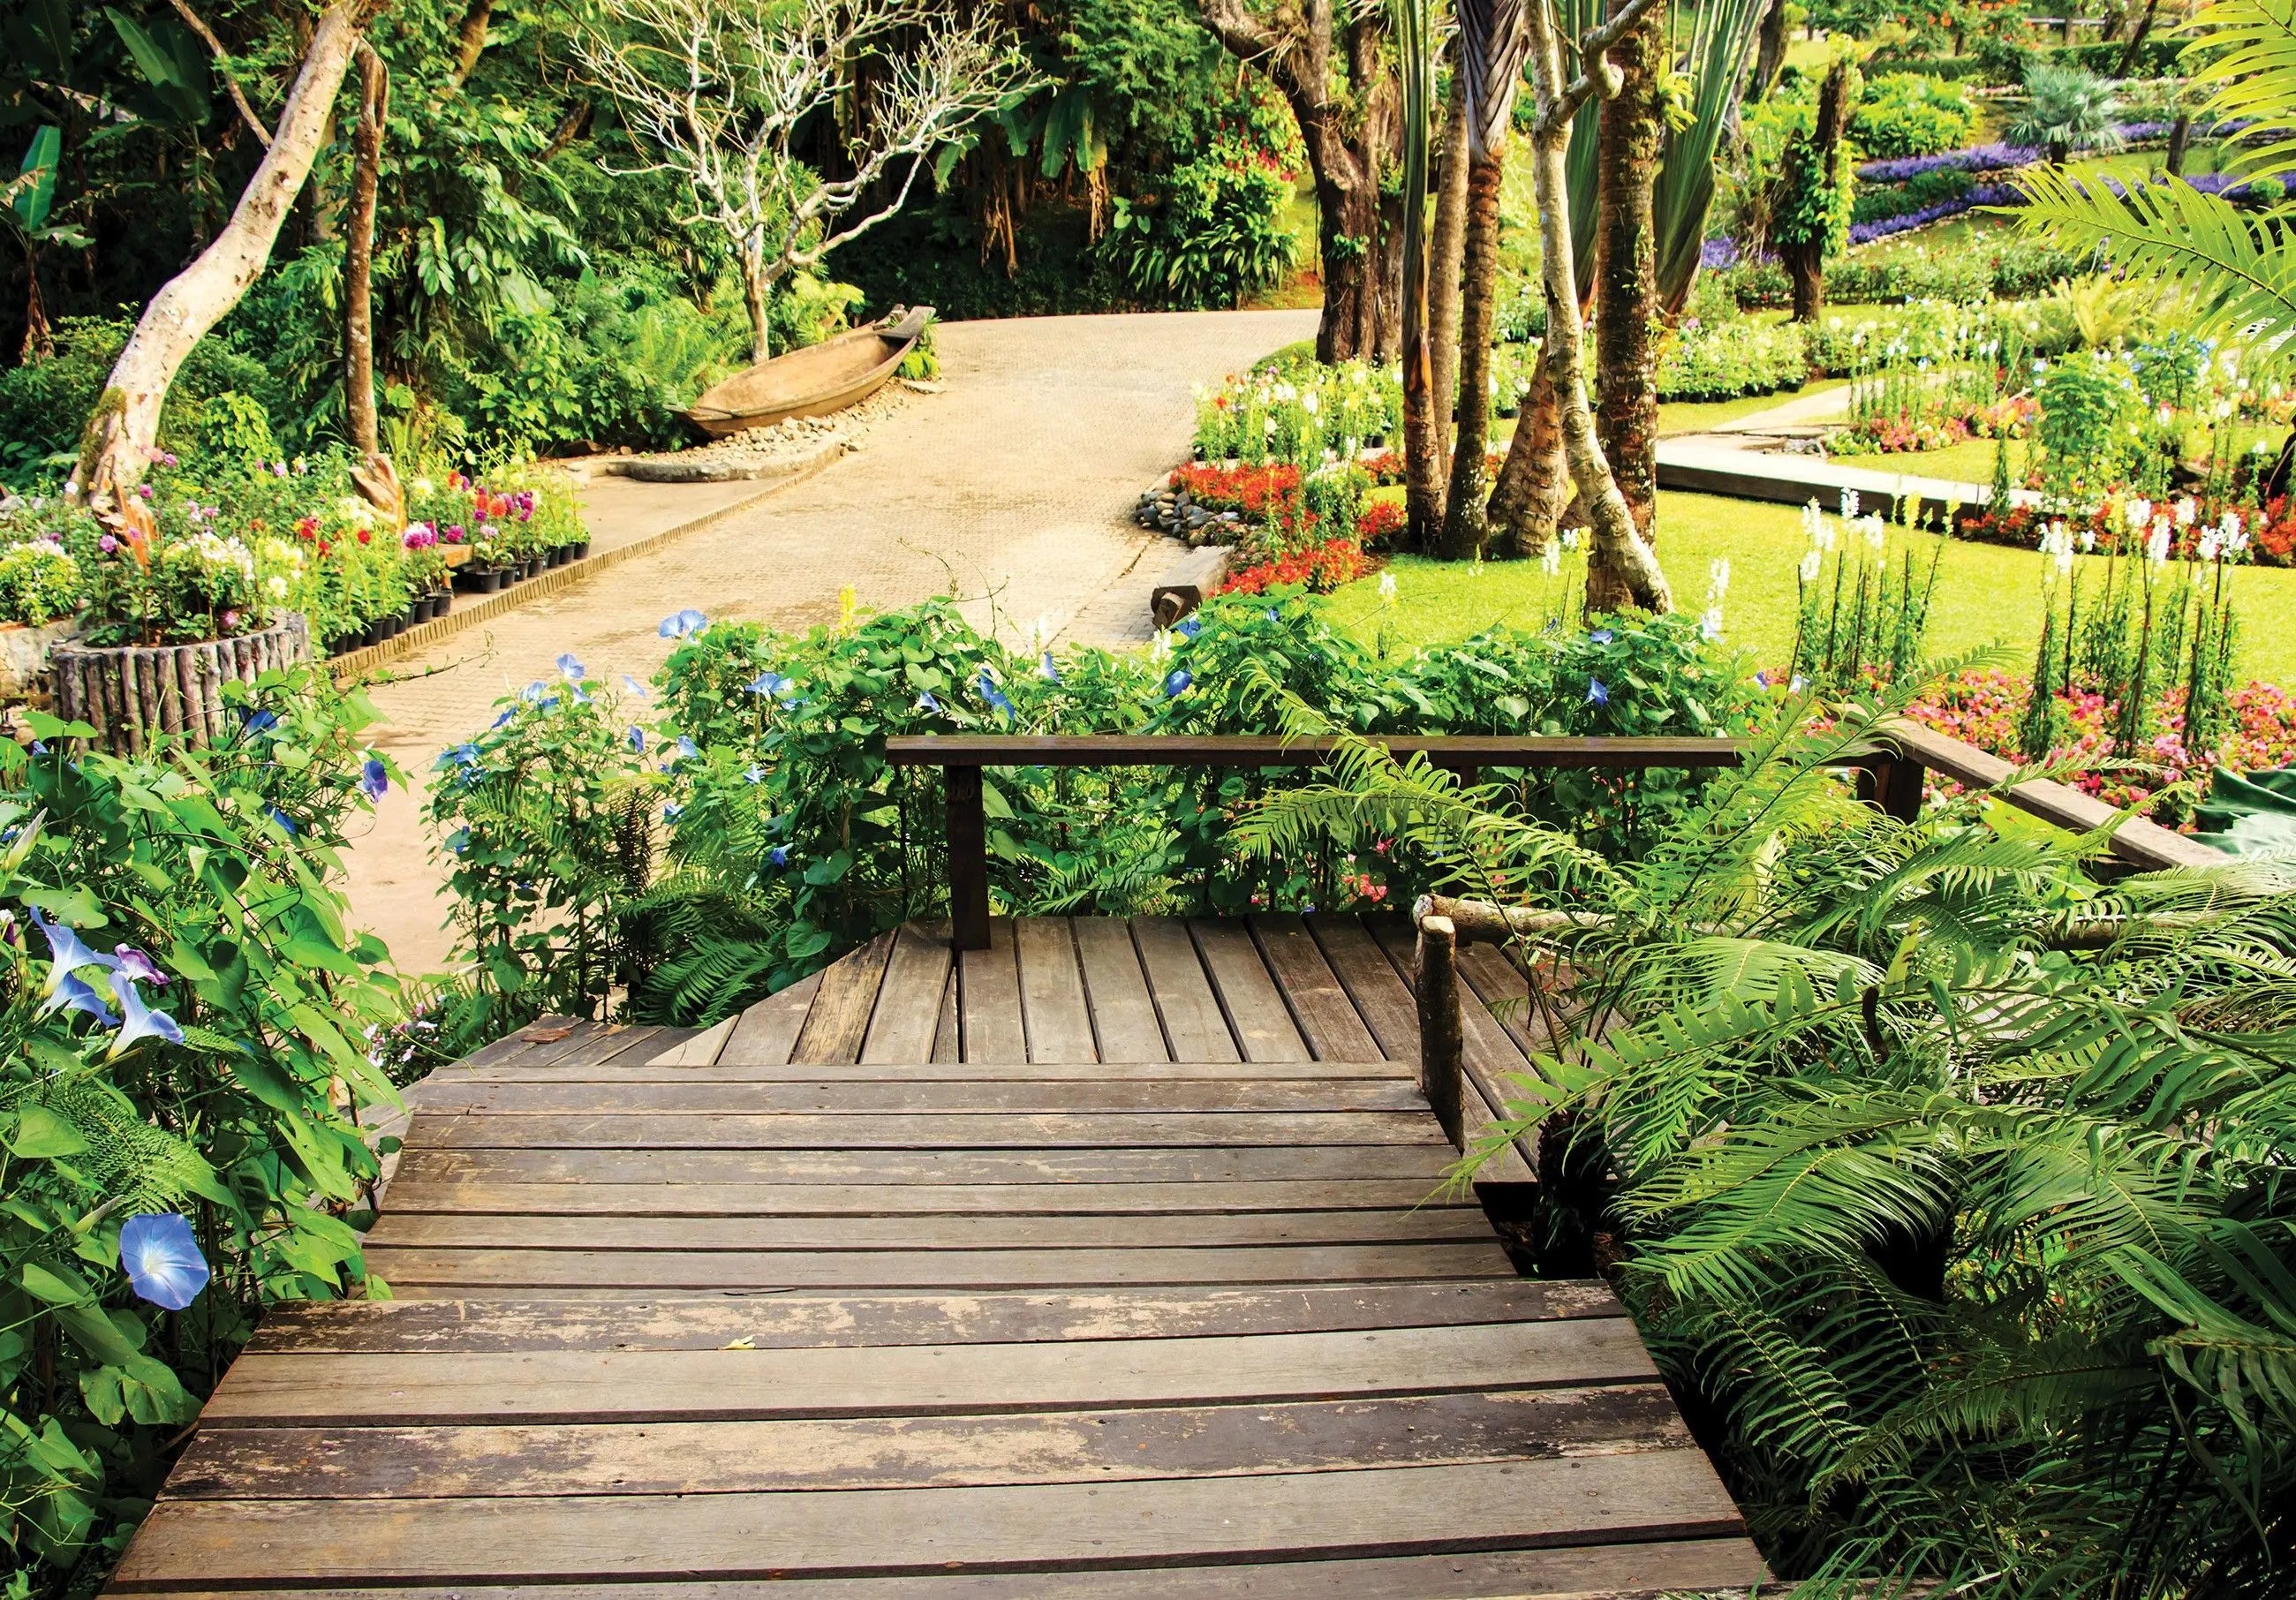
(1012, 488)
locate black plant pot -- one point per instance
(581, 549)
(435, 604)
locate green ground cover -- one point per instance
(1986, 593)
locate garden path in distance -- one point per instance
(1013, 487)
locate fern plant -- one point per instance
(1944, 1172)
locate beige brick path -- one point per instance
(1012, 488)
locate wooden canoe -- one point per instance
(813, 381)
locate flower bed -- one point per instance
(1320, 570)
(1958, 423)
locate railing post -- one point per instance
(968, 859)
(1443, 1043)
(1893, 784)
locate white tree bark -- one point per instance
(1613, 528)
(118, 443)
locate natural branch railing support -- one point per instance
(963, 755)
(1442, 1036)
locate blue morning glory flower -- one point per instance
(687, 621)
(685, 750)
(1597, 694)
(1047, 670)
(581, 695)
(1761, 680)
(766, 683)
(633, 687)
(994, 696)
(499, 721)
(67, 954)
(1798, 685)
(1274, 615)
(637, 737)
(375, 779)
(143, 1023)
(755, 774)
(569, 667)
(135, 963)
(162, 1260)
(778, 856)
(672, 812)
(464, 754)
(1177, 682)
(1602, 635)
(262, 722)
(72, 995)
(926, 702)
(1190, 628)
(458, 841)
(285, 821)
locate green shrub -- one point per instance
(1214, 236)
(1876, 202)
(44, 404)
(1907, 114)
(199, 887)
(1722, 361)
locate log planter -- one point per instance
(130, 693)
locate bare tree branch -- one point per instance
(1596, 73)
(223, 70)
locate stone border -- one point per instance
(357, 663)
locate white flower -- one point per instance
(1717, 577)
(2207, 548)
(2185, 512)
(1710, 624)
(1308, 402)
(2139, 512)
(2156, 548)
(1551, 558)
(1387, 588)
(1810, 563)
(277, 585)
(2088, 538)
(1849, 502)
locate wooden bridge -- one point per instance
(1107, 1260)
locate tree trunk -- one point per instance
(1387, 283)
(756, 296)
(1350, 241)
(1770, 54)
(1630, 568)
(1426, 464)
(1465, 524)
(2180, 135)
(1806, 272)
(471, 42)
(40, 339)
(359, 256)
(115, 446)
(1625, 266)
(1812, 163)
(1534, 487)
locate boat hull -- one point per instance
(813, 382)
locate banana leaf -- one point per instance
(2248, 814)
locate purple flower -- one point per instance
(685, 750)
(1047, 670)
(135, 963)
(778, 856)
(107, 544)
(1190, 628)
(375, 779)
(755, 775)
(631, 685)
(143, 1021)
(162, 1260)
(262, 722)
(926, 702)
(672, 812)
(1597, 694)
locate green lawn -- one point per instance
(1986, 593)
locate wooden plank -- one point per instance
(701, 1050)
(1254, 1007)
(1505, 993)
(1643, 1570)
(948, 1036)
(764, 1034)
(1319, 1004)
(1051, 992)
(988, 999)
(1490, 1055)
(466, 1270)
(870, 1452)
(511, 1198)
(592, 1386)
(1530, 751)
(908, 1002)
(1194, 1027)
(1201, 1163)
(1124, 1022)
(880, 1097)
(839, 1021)
(927, 1231)
(938, 1072)
(940, 1130)
(1381, 996)
(1386, 1511)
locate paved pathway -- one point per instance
(1012, 488)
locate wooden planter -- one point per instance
(130, 693)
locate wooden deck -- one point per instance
(1104, 1262)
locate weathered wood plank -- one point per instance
(1295, 1516)
(871, 1452)
(1168, 1165)
(1194, 1027)
(988, 999)
(839, 1020)
(1642, 1570)
(909, 1004)
(887, 1097)
(1116, 988)
(948, 1034)
(463, 1268)
(652, 1199)
(1505, 993)
(1051, 992)
(1320, 1006)
(766, 1033)
(926, 1231)
(1381, 995)
(699, 1051)
(320, 1328)
(946, 1131)
(937, 1071)
(1263, 1026)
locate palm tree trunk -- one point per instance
(1534, 487)
(1770, 54)
(1628, 313)
(2180, 137)
(1465, 523)
(359, 256)
(1427, 416)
